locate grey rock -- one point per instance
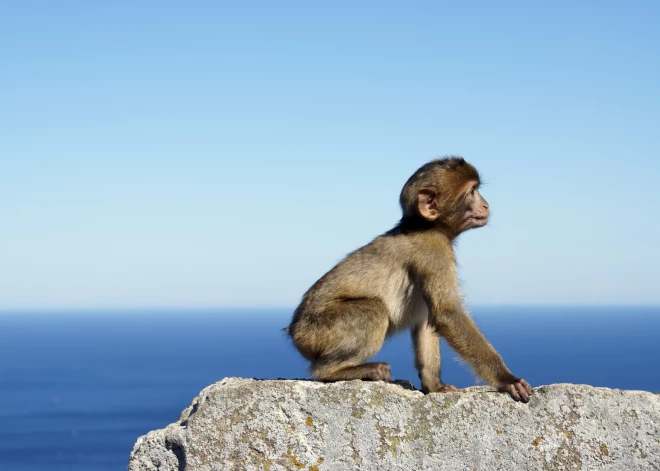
(274, 425)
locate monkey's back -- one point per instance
(377, 271)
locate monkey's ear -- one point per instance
(427, 204)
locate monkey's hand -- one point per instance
(520, 390)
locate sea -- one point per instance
(78, 388)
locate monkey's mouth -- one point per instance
(478, 220)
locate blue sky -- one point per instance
(208, 154)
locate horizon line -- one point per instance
(257, 308)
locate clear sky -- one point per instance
(217, 154)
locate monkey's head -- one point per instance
(444, 194)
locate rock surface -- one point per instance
(304, 425)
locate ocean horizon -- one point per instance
(77, 388)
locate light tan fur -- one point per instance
(405, 278)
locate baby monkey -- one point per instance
(404, 278)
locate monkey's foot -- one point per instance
(377, 371)
(520, 390)
(441, 388)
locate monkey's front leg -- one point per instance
(427, 359)
(464, 337)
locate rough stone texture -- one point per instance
(304, 425)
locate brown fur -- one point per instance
(405, 278)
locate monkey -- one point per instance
(405, 278)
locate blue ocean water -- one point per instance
(77, 389)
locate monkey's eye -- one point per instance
(474, 188)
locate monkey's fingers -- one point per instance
(517, 391)
(447, 388)
(529, 389)
(511, 389)
(522, 391)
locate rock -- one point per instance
(274, 425)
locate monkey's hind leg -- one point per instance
(359, 327)
(375, 371)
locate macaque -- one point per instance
(405, 278)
